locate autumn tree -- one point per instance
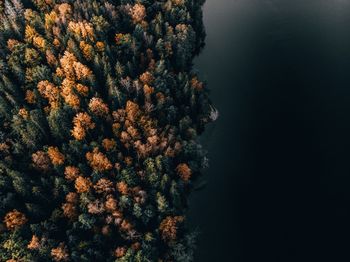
(100, 113)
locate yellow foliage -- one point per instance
(30, 33)
(82, 29)
(39, 42)
(50, 20)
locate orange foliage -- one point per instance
(82, 90)
(72, 68)
(82, 122)
(81, 71)
(11, 43)
(56, 42)
(41, 161)
(184, 171)
(67, 93)
(104, 185)
(50, 20)
(98, 161)
(87, 50)
(82, 184)
(57, 158)
(136, 246)
(64, 9)
(34, 243)
(50, 92)
(132, 110)
(120, 252)
(147, 78)
(148, 89)
(14, 219)
(71, 173)
(106, 230)
(133, 132)
(128, 160)
(178, 2)
(109, 144)
(83, 29)
(111, 204)
(138, 13)
(39, 42)
(30, 97)
(122, 188)
(30, 33)
(95, 207)
(60, 253)
(169, 227)
(100, 46)
(125, 225)
(69, 210)
(196, 84)
(98, 107)
(50, 58)
(23, 113)
(4, 148)
(72, 197)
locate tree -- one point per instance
(100, 111)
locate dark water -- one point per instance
(279, 181)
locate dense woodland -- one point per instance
(100, 112)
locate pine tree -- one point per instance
(100, 113)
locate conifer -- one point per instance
(100, 110)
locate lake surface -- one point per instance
(279, 177)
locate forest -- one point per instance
(100, 114)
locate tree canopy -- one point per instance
(100, 112)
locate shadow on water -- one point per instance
(279, 176)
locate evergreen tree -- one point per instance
(100, 113)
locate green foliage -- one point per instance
(100, 111)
